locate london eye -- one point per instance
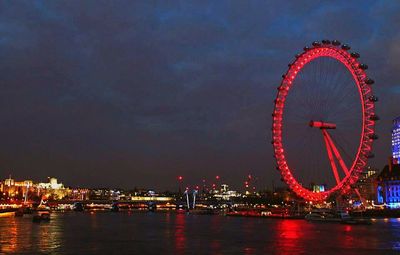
(324, 120)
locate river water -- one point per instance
(170, 233)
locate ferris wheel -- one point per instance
(324, 120)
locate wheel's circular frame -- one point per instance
(367, 99)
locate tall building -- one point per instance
(366, 186)
(396, 140)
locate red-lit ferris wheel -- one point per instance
(325, 102)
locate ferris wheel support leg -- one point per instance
(336, 152)
(330, 156)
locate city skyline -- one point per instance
(137, 94)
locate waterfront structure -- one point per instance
(343, 182)
(52, 189)
(12, 189)
(225, 193)
(365, 187)
(52, 184)
(396, 140)
(78, 194)
(366, 184)
(388, 186)
(100, 194)
(15, 189)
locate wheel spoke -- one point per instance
(330, 156)
(336, 152)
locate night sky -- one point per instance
(134, 93)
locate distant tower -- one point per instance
(396, 140)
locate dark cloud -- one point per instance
(122, 93)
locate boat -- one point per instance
(338, 217)
(8, 212)
(151, 207)
(114, 207)
(323, 217)
(41, 216)
(23, 211)
(78, 207)
(356, 221)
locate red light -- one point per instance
(180, 178)
(217, 177)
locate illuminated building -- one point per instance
(52, 184)
(100, 194)
(388, 186)
(366, 185)
(318, 187)
(396, 140)
(225, 194)
(78, 194)
(52, 189)
(15, 189)
(9, 182)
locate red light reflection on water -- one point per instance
(290, 235)
(347, 237)
(180, 235)
(215, 228)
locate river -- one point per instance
(170, 233)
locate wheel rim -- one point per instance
(368, 124)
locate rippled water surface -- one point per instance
(169, 233)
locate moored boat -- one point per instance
(41, 216)
(338, 217)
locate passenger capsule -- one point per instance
(355, 55)
(373, 136)
(369, 81)
(363, 66)
(374, 117)
(373, 99)
(371, 155)
(283, 75)
(306, 48)
(336, 42)
(316, 44)
(345, 47)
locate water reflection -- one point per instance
(19, 235)
(106, 233)
(180, 235)
(8, 235)
(289, 236)
(49, 235)
(215, 229)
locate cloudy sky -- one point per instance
(134, 93)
